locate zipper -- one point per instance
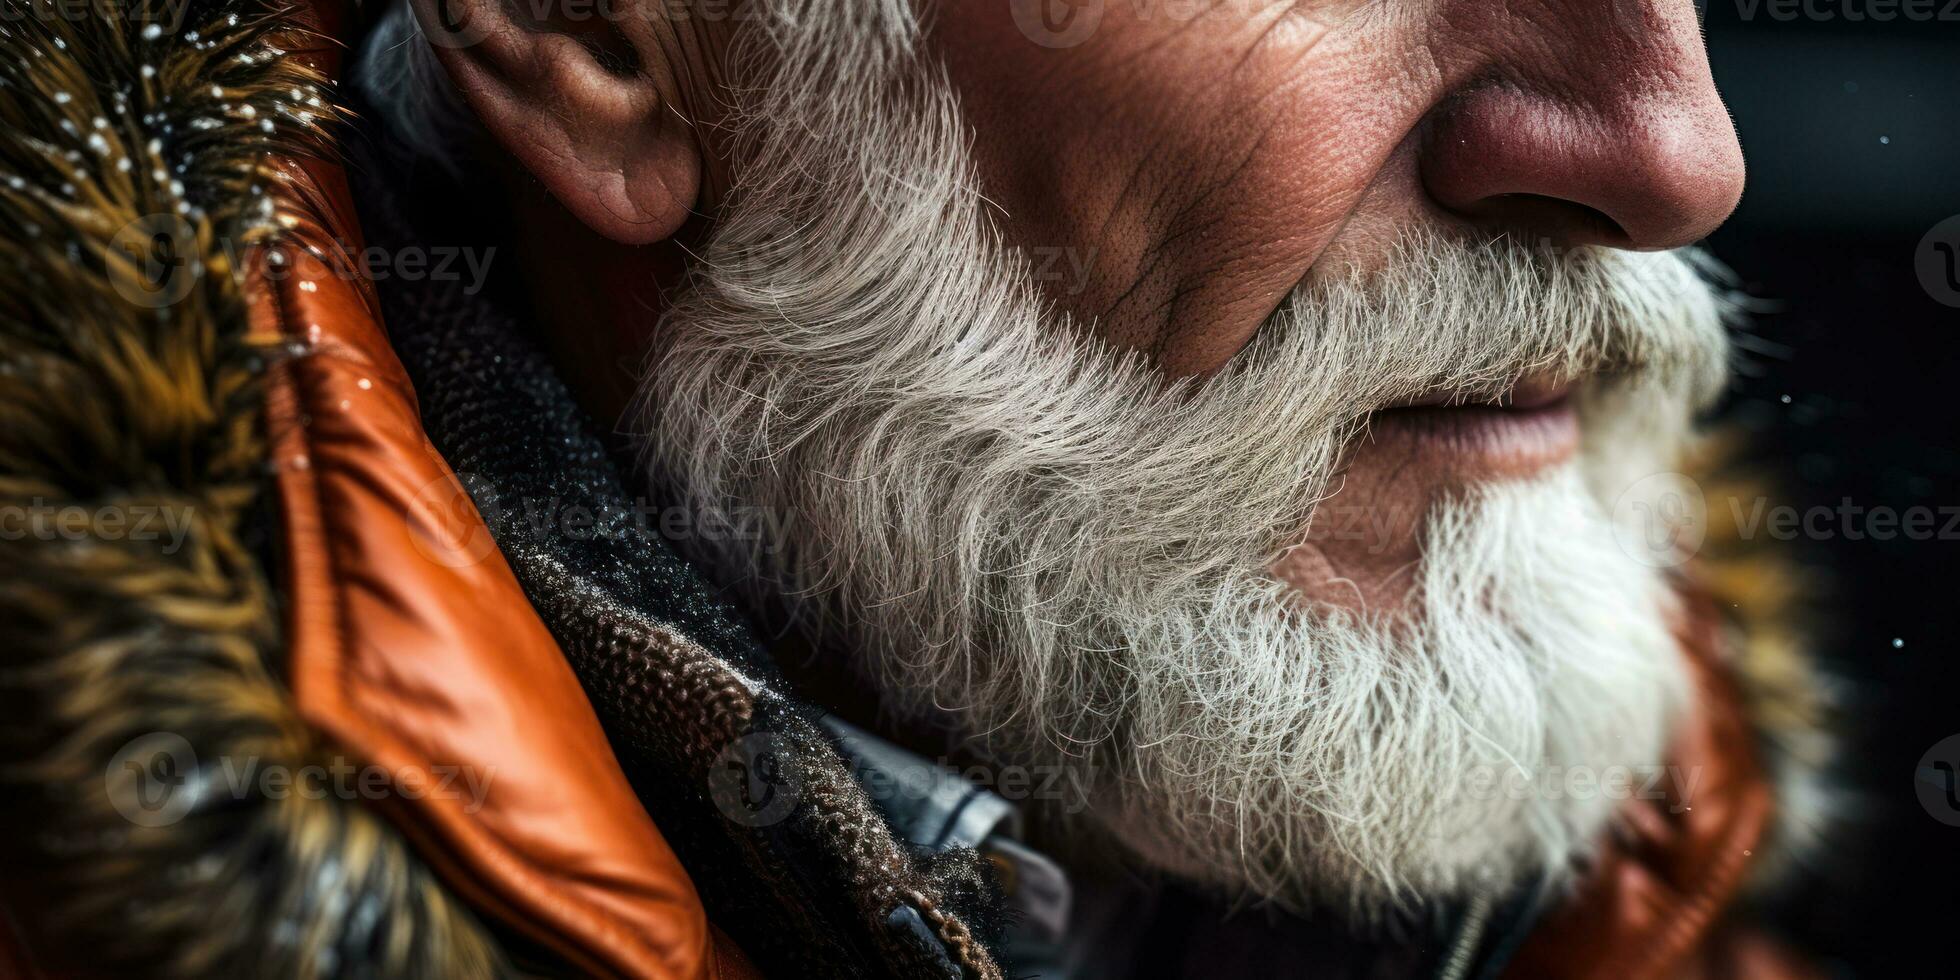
(1470, 935)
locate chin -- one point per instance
(1373, 762)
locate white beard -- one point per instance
(1325, 759)
(1047, 545)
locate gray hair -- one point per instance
(397, 73)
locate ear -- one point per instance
(585, 94)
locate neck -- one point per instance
(596, 302)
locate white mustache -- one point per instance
(1473, 318)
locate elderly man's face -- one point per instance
(1227, 403)
(1173, 168)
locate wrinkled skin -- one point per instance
(1205, 155)
(1170, 169)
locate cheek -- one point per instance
(1168, 180)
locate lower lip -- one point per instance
(1491, 441)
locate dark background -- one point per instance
(1852, 131)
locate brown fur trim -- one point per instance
(1766, 600)
(138, 635)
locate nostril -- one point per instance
(1542, 217)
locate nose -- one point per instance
(1628, 146)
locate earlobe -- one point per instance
(611, 145)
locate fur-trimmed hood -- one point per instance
(136, 614)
